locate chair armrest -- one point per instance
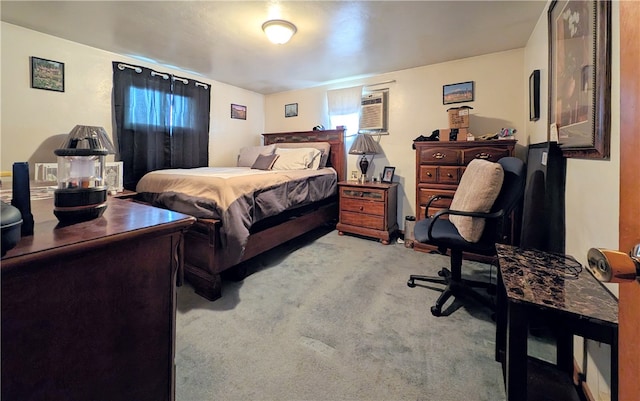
(437, 197)
(444, 212)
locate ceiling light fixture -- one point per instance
(279, 31)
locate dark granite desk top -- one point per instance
(544, 279)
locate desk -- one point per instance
(533, 285)
(88, 310)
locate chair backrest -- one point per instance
(515, 176)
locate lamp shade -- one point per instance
(364, 145)
(279, 31)
(87, 139)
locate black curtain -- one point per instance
(190, 137)
(159, 124)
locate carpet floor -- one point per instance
(331, 317)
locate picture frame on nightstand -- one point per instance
(387, 174)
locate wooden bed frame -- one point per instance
(202, 260)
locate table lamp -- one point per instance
(364, 145)
(82, 192)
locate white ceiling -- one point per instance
(223, 40)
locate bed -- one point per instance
(241, 211)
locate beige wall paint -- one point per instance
(34, 121)
(415, 108)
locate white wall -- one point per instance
(415, 108)
(592, 191)
(34, 121)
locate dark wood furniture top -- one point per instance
(368, 209)
(88, 310)
(545, 287)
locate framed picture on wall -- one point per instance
(457, 93)
(534, 96)
(580, 77)
(47, 74)
(291, 110)
(238, 112)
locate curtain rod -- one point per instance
(381, 83)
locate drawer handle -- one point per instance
(449, 175)
(483, 155)
(428, 174)
(361, 208)
(439, 155)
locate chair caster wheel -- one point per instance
(435, 311)
(411, 283)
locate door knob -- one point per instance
(614, 266)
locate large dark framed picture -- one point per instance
(534, 96)
(580, 77)
(457, 93)
(47, 74)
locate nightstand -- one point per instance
(368, 209)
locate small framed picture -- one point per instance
(457, 93)
(113, 176)
(47, 74)
(45, 172)
(387, 174)
(291, 110)
(238, 112)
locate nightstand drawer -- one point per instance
(362, 193)
(362, 220)
(362, 206)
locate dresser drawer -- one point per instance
(449, 175)
(428, 174)
(362, 206)
(432, 211)
(489, 153)
(364, 193)
(425, 195)
(362, 220)
(440, 156)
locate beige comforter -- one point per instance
(238, 196)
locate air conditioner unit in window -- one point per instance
(373, 117)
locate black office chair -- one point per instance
(441, 232)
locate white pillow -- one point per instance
(324, 147)
(249, 154)
(297, 158)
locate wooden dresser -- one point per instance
(88, 310)
(368, 209)
(439, 167)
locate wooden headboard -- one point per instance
(335, 137)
